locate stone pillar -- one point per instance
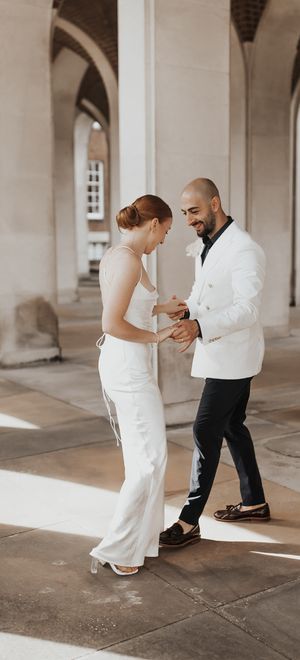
(270, 175)
(83, 126)
(174, 113)
(238, 152)
(28, 327)
(296, 246)
(68, 70)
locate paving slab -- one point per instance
(24, 442)
(33, 501)
(82, 458)
(272, 617)
(21, 647)
(7, 388)
(10, 530)
(281, 364)
(38, 409)
(216, 572)
(288, 445)
(275, 397)
(283, 528)
(289, 416)
(274, 466)
(64, 381)
(206, 635)
(260, 429)
(48, 592)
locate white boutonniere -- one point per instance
(193, 249)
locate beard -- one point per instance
(209, 225)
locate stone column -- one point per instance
(28, 327)
(238, 151)
(296, 246)
(83, 126)
(174, 114)
(270, 176)
(68, 70)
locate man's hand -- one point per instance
(175, 308)
(185, 333)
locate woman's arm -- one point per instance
(174, 306)
(117, 299)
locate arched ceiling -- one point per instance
(98, 19)
(296, 69)
(63, 40)
(93, 89)
(246, 15)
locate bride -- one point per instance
(129, 302)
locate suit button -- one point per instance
(210, 285)
(208, 308)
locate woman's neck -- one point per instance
(134, 242)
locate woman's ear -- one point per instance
(154, 223)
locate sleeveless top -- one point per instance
(139, 311)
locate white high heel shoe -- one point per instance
(94, 568)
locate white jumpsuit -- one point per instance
(127, 378)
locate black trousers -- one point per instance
(221, 413)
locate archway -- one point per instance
(105, 69)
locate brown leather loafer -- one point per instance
(233, 513)
(174, 536)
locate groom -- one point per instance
(223, 317)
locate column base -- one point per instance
(21, 357)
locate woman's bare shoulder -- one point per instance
(120, 261)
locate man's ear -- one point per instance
(215, 204)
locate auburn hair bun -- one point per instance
(142, 210)
(128, 217)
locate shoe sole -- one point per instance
(239, 520)
(180, 545)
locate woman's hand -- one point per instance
(166, 333)
(175, 308)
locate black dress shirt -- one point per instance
(208, 244)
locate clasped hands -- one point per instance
(185, 331)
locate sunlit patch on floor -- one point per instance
(276, 554)
(11, 422)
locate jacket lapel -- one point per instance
(218, 249)
(213, 255)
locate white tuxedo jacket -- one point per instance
(225, 299)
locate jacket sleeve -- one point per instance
(247, 277)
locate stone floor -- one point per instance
(234, 596)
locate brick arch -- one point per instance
(92, 86)
(98, 19)
(246, 15)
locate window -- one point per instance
(95, 190)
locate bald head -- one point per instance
(206, 188)
(201, 205)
